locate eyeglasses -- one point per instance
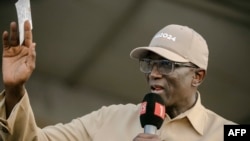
(163, 66)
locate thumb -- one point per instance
(31, 59)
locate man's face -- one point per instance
(175, 88)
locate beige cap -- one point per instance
(177, 43)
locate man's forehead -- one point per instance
(152, 55)
(155, 56)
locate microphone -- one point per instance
(152, 113)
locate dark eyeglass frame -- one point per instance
(149, 64)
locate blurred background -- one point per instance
(83, 51)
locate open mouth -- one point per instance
(156, 88)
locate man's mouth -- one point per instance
(156, 89)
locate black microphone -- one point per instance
(152, 113)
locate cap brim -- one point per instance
(139, 52)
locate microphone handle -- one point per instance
(150, 129)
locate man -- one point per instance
(175, 65)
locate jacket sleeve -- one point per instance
(21, 125)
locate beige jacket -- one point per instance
(112, 123)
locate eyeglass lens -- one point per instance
(163, 66)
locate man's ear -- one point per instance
(198, 77)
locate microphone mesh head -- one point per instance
(152, 110)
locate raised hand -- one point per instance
(18, 62)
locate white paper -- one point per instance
(23, 13)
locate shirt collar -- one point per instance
(197, 115)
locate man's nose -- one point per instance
(155, 73)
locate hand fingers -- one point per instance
(5, 39)
(143, 136)
(13, 34)
(28, 37)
